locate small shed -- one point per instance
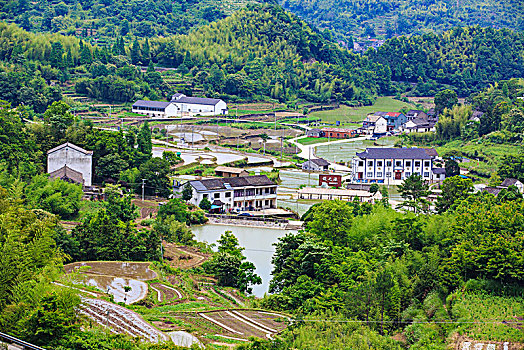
(317, 164)
(224, 171)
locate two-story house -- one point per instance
(394, 165)
(375, 124)
(243, 193)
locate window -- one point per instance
(205, 195)
(426, 163)
(408, 174)
(217, 195)
(398, 163)
(388, 163)
(379, 163)
(379, 174)
(360, 163)
(426, 174)
(408, 163)
(417, 163)
(388, 174)
(370, 163)
(370, 174)
(228, 195)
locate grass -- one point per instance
(313, 140)
(346, 114)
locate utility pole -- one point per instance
(143, 186)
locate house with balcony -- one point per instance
(243, 193)
(394, 165)
(375, 125)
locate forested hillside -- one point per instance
(100, 19)
(467, 59)
(387, 18)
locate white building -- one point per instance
(394, 165)
(339, 193)
(181, 106)
(375, 124)
(71, 163)
(418, 125)
(244, 193)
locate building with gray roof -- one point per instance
(241, 193)
(181, 106)
(394, 165)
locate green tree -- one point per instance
(171, 230)
(452, 168)
(453, 189)
(155, 172)
(119, 205)
(374, 188)
(59, 118)
(205, 204)
(110, 166)
(414, 191)
(331, 220)
(445, 99)
(512, 166)
(187, 193)
(145, 145)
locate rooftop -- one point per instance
(225, 183)
(398, 153)
(198, 100)
(337, 130)
(509, 182)
(231, 170)
(319, 162)
(66, 173)
(70, 145)
(151, 104)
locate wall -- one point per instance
(74, 159)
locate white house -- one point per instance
(339, 193)
(513, 182)
(418, 125)
(71, 163)
(375, 124)
(181, 106)
(245, 192)
(394, 165)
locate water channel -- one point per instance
(258, 242)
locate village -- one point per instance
(271, 165)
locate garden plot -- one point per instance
(121, 320)
(115, 287)
(135, 270)
(166, 293)
(183, 257)
(244, 324)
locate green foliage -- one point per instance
(55, 196)
(205, 204)
(453, 189)
(155, 171)
(445, 99)
(347, 18)
(512, 167)
(171, 230)
(414, 190)
(229, 265)
(478, 51)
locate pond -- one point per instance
(258, 242)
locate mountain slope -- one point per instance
(107, 18)
(389, 17)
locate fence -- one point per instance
(248, 218)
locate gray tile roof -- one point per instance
(151, 104)
(320, 162)
(219, 183)
(397, 153)
(493, 190)
(438, 170)
(509, 182)
(198, 100)
(66, 173)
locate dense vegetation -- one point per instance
(102, 20)
(467, 59)
(387, 18)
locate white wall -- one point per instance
(381, 126)
(74, 159)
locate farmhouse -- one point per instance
(181, 106)
(375, 124)
(317, 164)
(70, 163)
(225, 171)
(414, 114)
(339, 133)
(314, 133)
(394, 165)
(245, 192)
(418, 125)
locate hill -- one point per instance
(386, 18)
(99, 19)
(465, 59)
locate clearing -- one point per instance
(347, 115)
